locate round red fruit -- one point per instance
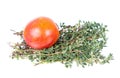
(41, 33)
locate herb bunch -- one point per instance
(82, 43)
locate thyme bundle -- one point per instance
(82, 43)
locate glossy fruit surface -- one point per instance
(41, 33)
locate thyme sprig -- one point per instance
(82, 43)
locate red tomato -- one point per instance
(41, 33)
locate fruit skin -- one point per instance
(41, 33)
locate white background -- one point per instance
(15, 14)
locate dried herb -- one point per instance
(82, 43)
